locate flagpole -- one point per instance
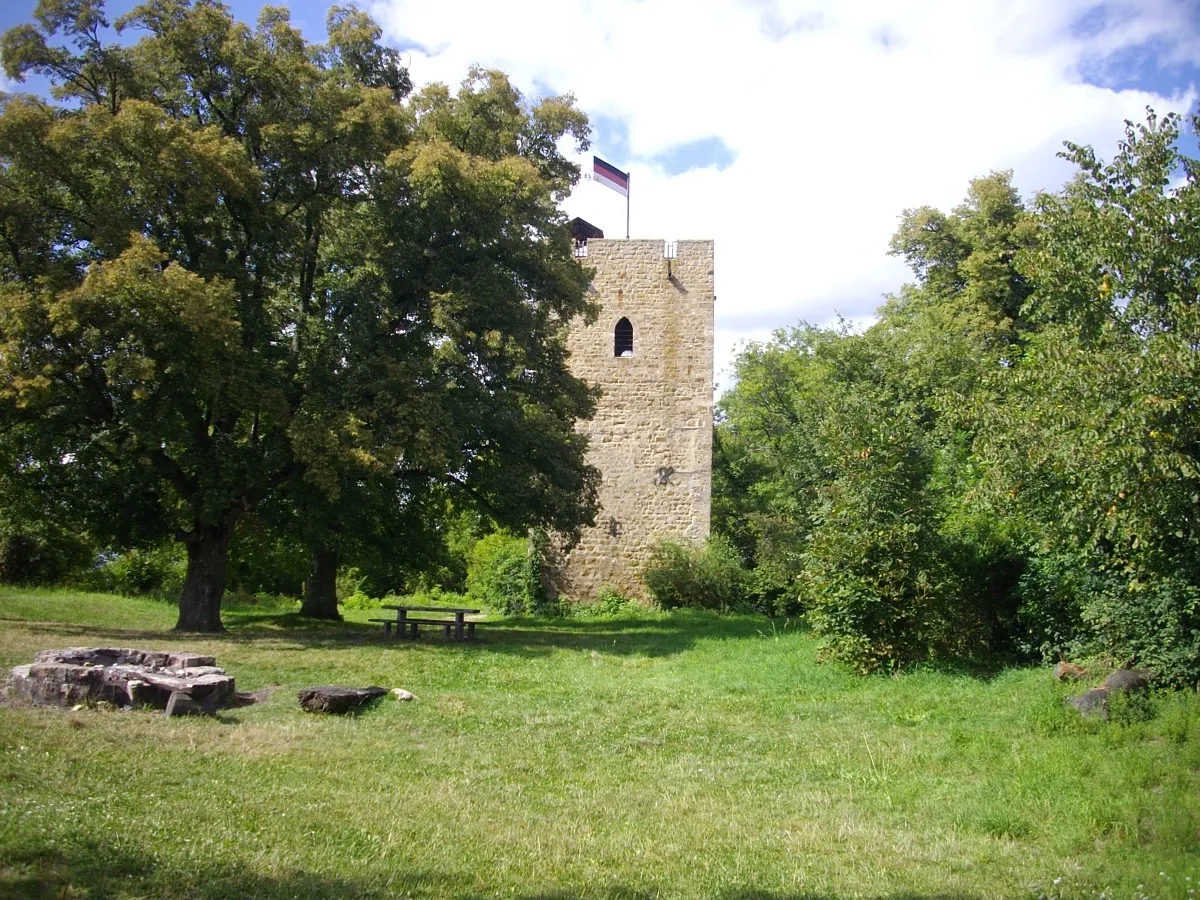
(628, 187)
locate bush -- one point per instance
(1049, 611)
(434, 596)
(710, 578)
(876, 583)
(155, 572)
(610, 603)
(360, 600)
(41, 554)
(1154, 624)
(504, 573)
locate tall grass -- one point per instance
(650, 755)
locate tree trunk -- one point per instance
(320, 589)
(204, 585)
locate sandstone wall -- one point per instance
(651, 437)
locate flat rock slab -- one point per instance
(333, 698)
(180, 704)
(123, 656)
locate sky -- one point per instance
(796, 132)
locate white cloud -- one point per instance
(840, 115)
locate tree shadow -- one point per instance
(93, 870)
(624, 636)
(652, 636)
(755, 894)
(287, 628)
(631, 635)
(626, 893)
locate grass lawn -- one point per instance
(682, 756)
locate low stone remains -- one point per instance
(124, 677)
(333, 698)
(1095, 701)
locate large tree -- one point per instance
(843, 464)
(237, 266)
(1095, 431)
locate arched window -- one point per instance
(623, 338)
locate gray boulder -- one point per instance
(1095, 701)
(333, 698)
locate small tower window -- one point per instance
(623, 338)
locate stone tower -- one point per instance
(651, 353)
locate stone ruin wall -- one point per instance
(651, 437)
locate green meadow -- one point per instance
(654, 755)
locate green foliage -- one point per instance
(1154, 624)
(712, 577)
(1050, 595)
(610, 603)
(877, 590)
(504, 573)
(1094, 434)
(350, 581)
(262, 561)
(243, 274)
(1006, 463)
(156, 571)
(351, 594)
(359, 600)
(40, 552)
(433, 596)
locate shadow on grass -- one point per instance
(653, 636)
(627, 636)
(632, 636)
(768, 895)
(745, 894)
(92, 870)
(646, 635)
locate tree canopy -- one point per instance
(1007, 461)
(244, 272)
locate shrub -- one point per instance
(360, 600)
(876, 584)
(1048, 614)
(504, 572)
(1150, 623)
(260, 561)
(349, 581)
(610, 603)
(710, 578)
(1072, 605)
(41, 554)
(155, 571)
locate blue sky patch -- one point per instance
(610, 139)
(1148, 66)
(706, 153)
(1142, 68)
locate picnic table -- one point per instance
(408, 626)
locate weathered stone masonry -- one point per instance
(651, 437)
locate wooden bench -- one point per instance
(412, 626)
(387, 625)
(415, 624)
(406, 626)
